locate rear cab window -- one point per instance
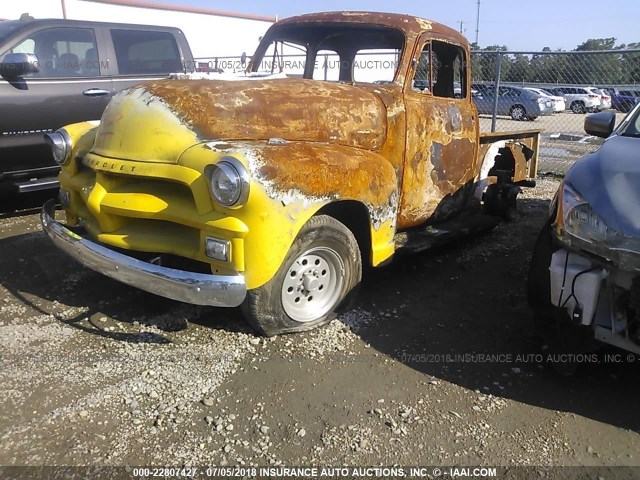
(140, 52)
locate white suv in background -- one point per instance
(605, 98)
(579, 99)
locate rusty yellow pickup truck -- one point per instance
(273, 193)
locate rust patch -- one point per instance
(293, 109)
(324, 171)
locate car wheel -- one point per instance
(317, 278)
(502, 201)
(577, 107)
(518, 112)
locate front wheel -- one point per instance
(317, 277)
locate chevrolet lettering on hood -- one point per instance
(270, 190)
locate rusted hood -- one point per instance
(159, 120)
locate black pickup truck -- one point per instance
(55, 72)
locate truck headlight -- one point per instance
(60, 143)
(229, 182)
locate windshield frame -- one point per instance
(630, 124)
(275, 34)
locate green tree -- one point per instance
(595, 69)
(630, 65)
(519, 69)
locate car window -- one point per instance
(62, 52)
(509, 92)
(145, 52)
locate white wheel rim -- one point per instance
(313, 284)
(518, 113)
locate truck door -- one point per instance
(69, 87)
(442, 134)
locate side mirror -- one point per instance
(17, 64)
(600, 124)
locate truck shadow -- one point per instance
(461, 316)
(47, 282)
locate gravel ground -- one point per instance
(97, 373)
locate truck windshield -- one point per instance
(7, 29)
(334, 52)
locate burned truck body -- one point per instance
(271, 193)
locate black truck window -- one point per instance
(62, 52)
(144, 52)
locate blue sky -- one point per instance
(520, 25)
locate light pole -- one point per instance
(478, 23)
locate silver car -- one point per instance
(519, 103)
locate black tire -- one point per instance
(518, 112)
(265, 308)
(578, 107)
(501, 201)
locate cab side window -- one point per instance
(441, 70)
(449, 70)
(144, 52)
(62, 52)
(422, 77)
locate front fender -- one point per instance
(290, 183)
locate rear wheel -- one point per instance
(518, 112)
(316, 279)
(577, 107)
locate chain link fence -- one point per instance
(576, 83)
(548, 91)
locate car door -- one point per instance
(485, 98)
(70, 86)
(441, 134)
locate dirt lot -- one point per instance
(96, 373)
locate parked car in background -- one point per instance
(605, 98)
(559, 105)
(579, 99)
(584, 278)
(55, 72)
(623, 100)
(517, 102)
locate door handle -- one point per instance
(96, 92)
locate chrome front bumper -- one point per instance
(189, 287)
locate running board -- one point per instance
(465, 224)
